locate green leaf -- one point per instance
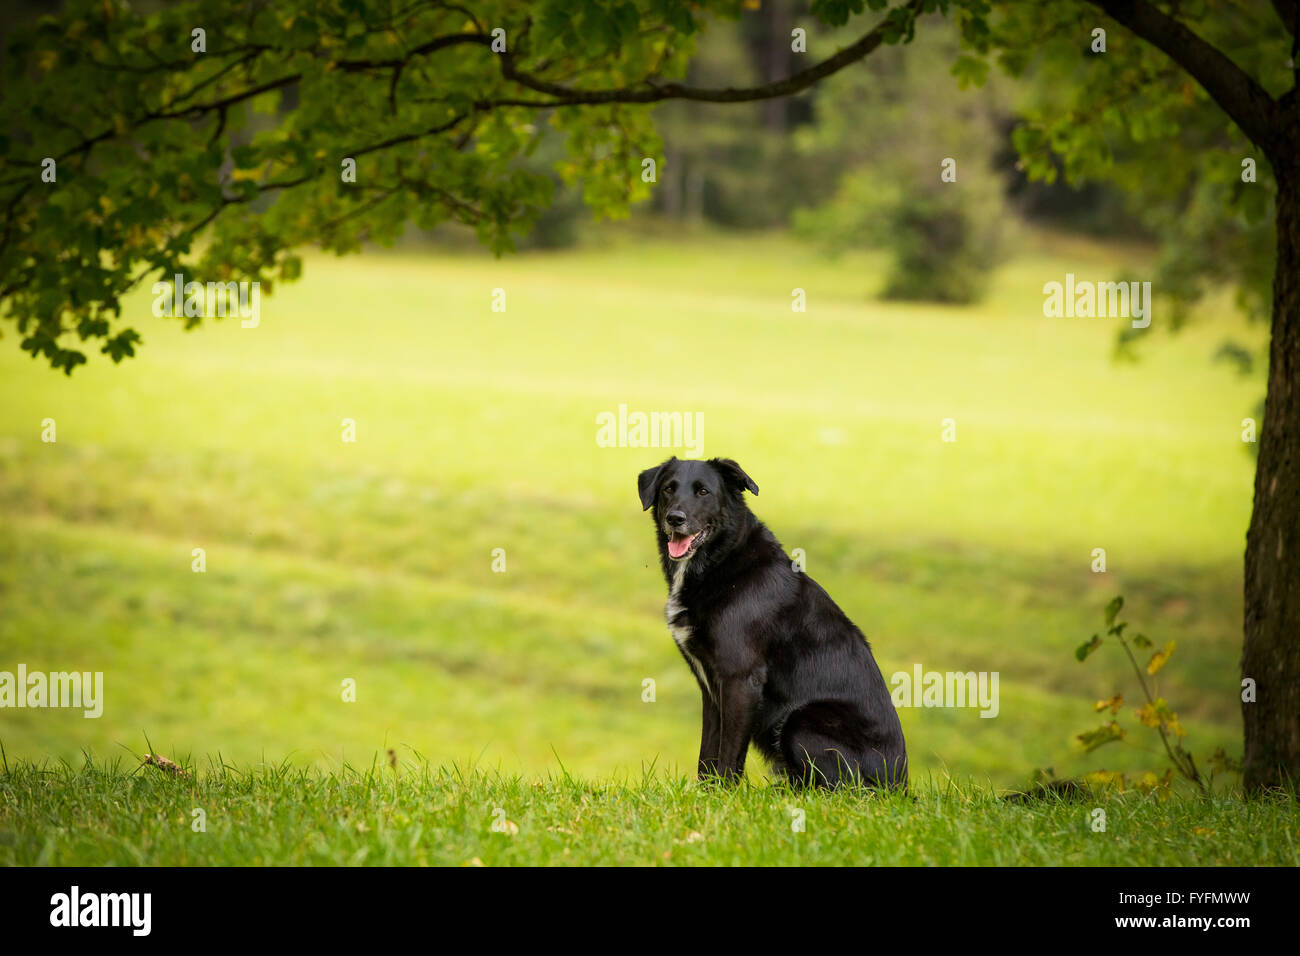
(1081, 653)
(970, 71)
(1112, 609)
(1221, 762)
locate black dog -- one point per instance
(778, 662)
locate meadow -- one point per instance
(372, 561)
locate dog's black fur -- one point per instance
(778, 663)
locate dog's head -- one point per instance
(693, 500)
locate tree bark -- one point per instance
(1271, 647)
(1270, 654)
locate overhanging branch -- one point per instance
(654, 93)
(556, 95)
(1244, 100)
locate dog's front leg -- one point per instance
(710, 735)
(738, 704)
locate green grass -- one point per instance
(416, 815)
(476, 430)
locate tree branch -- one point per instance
(1286, 11)
(654, 93)
(1244, 100)
(562, 95)
(555, 95)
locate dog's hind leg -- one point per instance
(822, 749)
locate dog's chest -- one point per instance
(681, 627)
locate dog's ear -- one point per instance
(733, 474)
(647, 483)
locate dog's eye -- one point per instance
(702, 492)
(670, 487)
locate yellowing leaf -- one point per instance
(1160, 658)
(1105, 778)
(1101, 736)
(1114, 703)
(1148, 716)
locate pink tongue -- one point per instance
(679, 544)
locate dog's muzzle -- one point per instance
(682, 545)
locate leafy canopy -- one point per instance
(218, 164)
(217, 159)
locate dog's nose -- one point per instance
(675, 519)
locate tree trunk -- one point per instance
(777, 57)
(1271, 647)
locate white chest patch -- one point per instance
(681, 630)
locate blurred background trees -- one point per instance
(854, 162)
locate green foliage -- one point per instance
(1132, 117)
(166, 161)
(226, 160)
(1155, 713)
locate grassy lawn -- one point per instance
(372, 561)
(411, 815)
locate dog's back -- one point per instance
(826, 714)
